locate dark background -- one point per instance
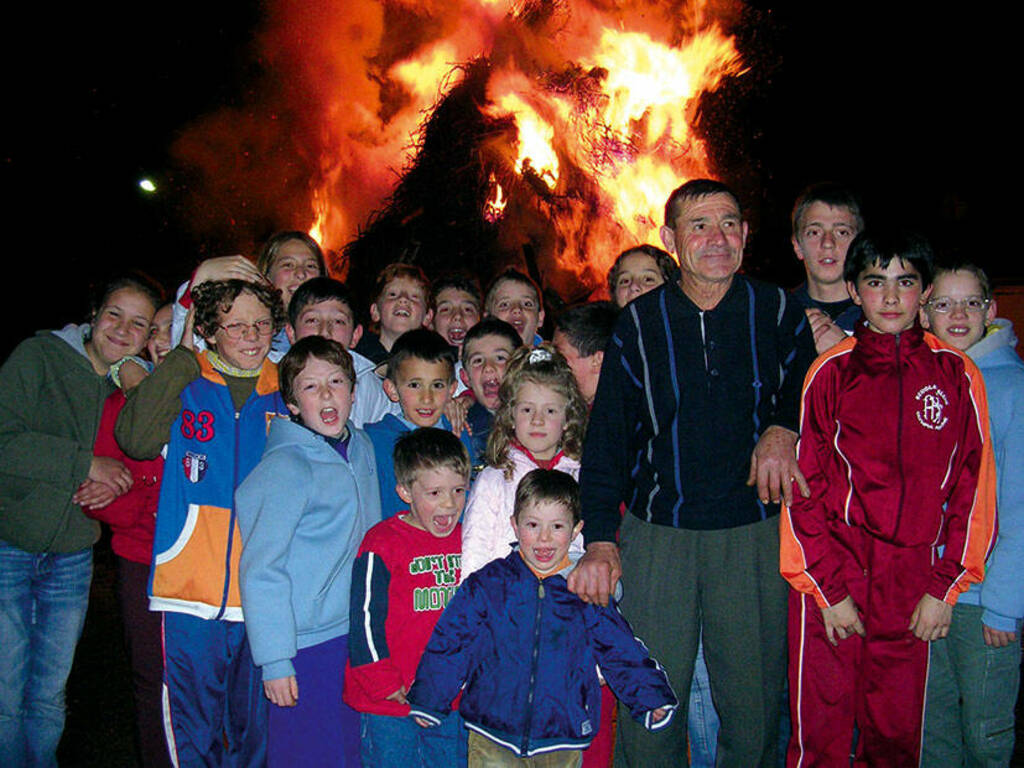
(897, 100)
(904, 102)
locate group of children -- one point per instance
(372, 535)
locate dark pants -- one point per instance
(320, 730)
(218, 713)
(725, 583)
(143, 636)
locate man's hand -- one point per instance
(931, 618)
(997, 638)
(595, 575)
(773, 467)
(227, 268)
(399, 696)
(826, 333)
(283, 691)
(842, 619)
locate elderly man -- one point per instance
(693, 428)
(826, 217)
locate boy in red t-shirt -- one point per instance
(405, 573)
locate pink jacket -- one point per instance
(486, 526)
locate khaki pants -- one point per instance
(484, 753)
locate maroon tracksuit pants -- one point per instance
(878, 681)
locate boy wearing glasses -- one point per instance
(974, 673)
(212, 409)
(894, 445)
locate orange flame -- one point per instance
(603, 92)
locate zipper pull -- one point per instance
(540, 590)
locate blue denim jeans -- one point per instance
(972, 690)
(399, 741)
(701, 717)
(43, 599)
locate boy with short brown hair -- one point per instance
(894, 445)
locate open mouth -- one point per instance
(329, 415)
(456, 335)
(443, 523)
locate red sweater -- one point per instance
(402, 579)
(893, 440)
(131, 516)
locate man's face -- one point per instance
(486, 360)
(962, 326)
(456, 311)
(331, 319)
(517, 304)
(822, 240)
(708, 239)
(890, 296)
(586, 370)
(423, 389)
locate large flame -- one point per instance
(602, 96)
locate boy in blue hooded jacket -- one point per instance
(525, 650)
(302, 513)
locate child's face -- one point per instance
(486, 360)
(586, 370)
(960, 327)
(544, 531)
(159, 343)
(456, 312)
(539, 418)
(323, 397)
(250, 321)
(331, 319)
(423, 389)
(518, 305)
(402, 306)
(293, 265)
(890, 296)
(823, 239)
(638, 274)
(121, 326)
(435, 498)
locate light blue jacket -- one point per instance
(302, 512)
(1001, 594)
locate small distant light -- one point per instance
(147, 185)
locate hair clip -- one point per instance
(539, 356)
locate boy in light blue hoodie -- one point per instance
(974, 673)
(302, 513)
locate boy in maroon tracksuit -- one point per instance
(901, 516)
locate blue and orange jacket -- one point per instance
(894, 440)
(211, 451)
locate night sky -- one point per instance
(889, 101)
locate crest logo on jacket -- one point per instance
(194, 465)
(932, 402)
